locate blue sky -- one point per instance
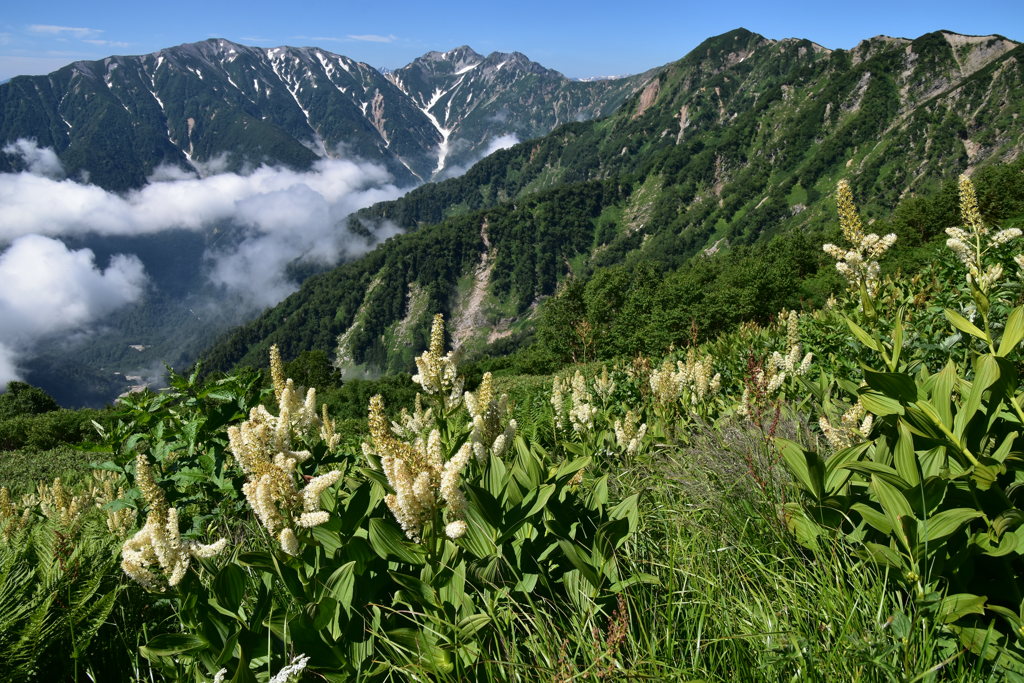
(577, 38)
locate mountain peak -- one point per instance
(457, 57)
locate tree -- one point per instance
(25, 399)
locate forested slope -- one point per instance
(741, 140)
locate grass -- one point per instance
(21, 470)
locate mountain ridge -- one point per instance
(741, 139)
(114, 121)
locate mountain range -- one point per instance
(218, 105)
(742, 140)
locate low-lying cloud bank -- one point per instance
(495, 144)
(47, 289)
(273, 217)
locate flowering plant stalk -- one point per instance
(922, 474)
(858, 260)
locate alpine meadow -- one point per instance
(469, 371)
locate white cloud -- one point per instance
(48, 289)
(501, 142)
(373, 38)
(107, 43)
(280, 215)
(8, 366)
(75, 31)
(320, 39)
(41, 161)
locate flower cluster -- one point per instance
(852, 424)
(763, 383)
(581, 411)
(416, 424)
(630, 433)
(858, 263)
(106, 488)
(12, 518)
(690, 380)
(297, 406)
(561, 417)
(264, 447)
(972, 242)
(487, 414)
(157, 557)
(424, 484)
(604, 386)
(60, 505)
(791, 364)
(437, 370)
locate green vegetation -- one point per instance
(830, 495)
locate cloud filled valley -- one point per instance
(67, 248)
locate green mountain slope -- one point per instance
(742, 139)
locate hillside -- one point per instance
(217, 105)
(741, 140)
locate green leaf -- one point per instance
(946, 522)
(533, 503)
(873, 517)
(389, 543)
(480, 538)
(806, 466)
(578, 560)
(964, 325)
(895, 507)
(1000, 454)
(172, 644)
(942, 391)
(566, 471)
(952, 607)
(883, 555)
(1006, 544)
(229, 586)
(1008, 520)
(431, 657)
(986, 372)
(987, 475)
(417, 588)
(1013, 332)
(897, 338)
(467, 626)
(904, 456)
(836, 474)
(876, 469)
(340, 585)
(628, 509)
(598, 493)
(259, 560)
(803, 527)
(242, 672)
(357, 507)
(632, 580)
(864, 338)
(896, 385)
(327, 536)
(879, 404)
